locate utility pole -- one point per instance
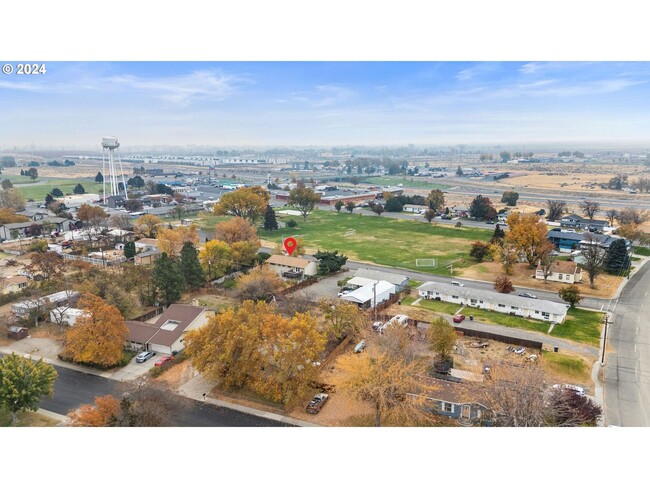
(374, 293)
(602, 359)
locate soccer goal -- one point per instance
(350, 233)
(426, 263)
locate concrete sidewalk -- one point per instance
(196, 387)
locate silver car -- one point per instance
(143, 356)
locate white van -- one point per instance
(457, 283)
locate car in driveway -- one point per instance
(164, 360)
(143, 356)
(458, 318)
(527, 295)
(316, 403)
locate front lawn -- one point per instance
(390, 242)
(507, 320)
(433, 305)
(569, 368)
(580, 326)
(26, 419)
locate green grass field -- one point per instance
(575, 368)
(386, 241)
(407, 181)
(17, 179)
(580, 326)
(66, 185)
(433, 305)
(641, 251)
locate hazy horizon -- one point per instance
(327, 104)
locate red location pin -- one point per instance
(290, 245)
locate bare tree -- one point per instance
(633, 216)
(301, 301)
(589, 208)
(611, 215)
(148, 404)
(568, 408)
(594, 258)
(546, 260)
(556, 208)
(516, 395)
(642, 184)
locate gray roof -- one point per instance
(574, 236)
(495, 297)
(372, 274)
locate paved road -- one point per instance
(627, 363)
(73, 388)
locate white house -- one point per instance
(67, 316)
(562, 271)
(290, 267)
(367, 295)
(22, 309)
(165, 333)
(13, 284)
(365, 274)
(497, 302)
(418, 209)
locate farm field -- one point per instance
(38, 191)
(389, 242)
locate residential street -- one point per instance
(627, 363)
(73, 388)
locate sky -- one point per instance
(232, 104)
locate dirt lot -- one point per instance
(606, 285)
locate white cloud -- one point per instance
(182, 89)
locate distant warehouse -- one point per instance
(498, 302)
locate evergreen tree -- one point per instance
(22, 172)
(49, 199)
(129, 250)
(338, 205)
(57, 192)
(168, 279)
(329, 261)
(459, 171)
(498, 234)
(191, 266)
(618, 260)
(79, 190)
(270, 222)
(99, 178)
(481, 208)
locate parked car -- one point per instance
(317, 403)
(143, 356)
(343, 293)
(360, 347)
(578, 389)
(459, 318)
(489, 221)
(446, 217)
(457, 283)
(164, 360)
(527, 295)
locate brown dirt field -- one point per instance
(176, 375)
(606, 285)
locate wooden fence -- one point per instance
(149, 314)
(335, 352)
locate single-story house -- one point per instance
(13, 284)
(45, 225)
(67, 316)
(578, 222)
(146, 257)
(497, 302)
(23, 308)
(400, 281)
(459, 401)
(165, 333)
(115, 201)
(562, 271)
(34, 215)
(366, 296)
(418, 209)
(292, 267)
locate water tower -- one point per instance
(111, 144)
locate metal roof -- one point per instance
(372, 274)
(496, 298)
(366, 292)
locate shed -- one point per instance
(17, 333)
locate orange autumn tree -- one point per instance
(254, 347)
(234, 230)
(527, 234)
(98, 337)
(171, 241)
(98, 415)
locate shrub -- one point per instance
(292, 223)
